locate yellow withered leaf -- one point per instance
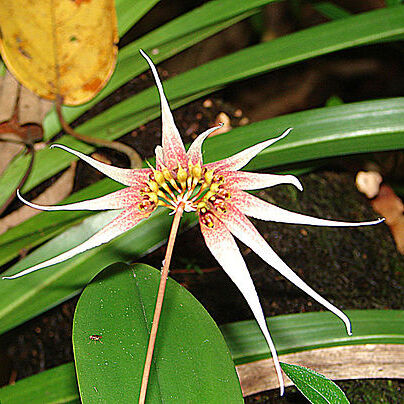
(60, 47)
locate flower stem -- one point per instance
(159, 301)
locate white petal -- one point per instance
(259, 209)
(125, 176)
(239, 160)
(243, 229)
(173, 147)
(223, 247)
(247, 181)
(123, 222)
(115, 200)
(194, 152)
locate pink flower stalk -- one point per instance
(215, 192)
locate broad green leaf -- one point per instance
(192, 363)
(291, 333)
(315, 387)
(119, 119)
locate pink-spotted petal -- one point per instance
(223, 247)
(194, 152)
(173, 147)
(245, 180)
(116, 200)
(259, 209)
(123, 222)
(124, 176)
(239, 160)
(243, 229)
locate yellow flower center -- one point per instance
(199, 189)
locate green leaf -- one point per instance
(333, 101)
(305, 331)
(123, 117)
(330, 10)
(393, 3)
(291, 333)
(128, 12)
(56, 386)
(24, 298)
(2, 68)
(191, 360)
(315, 387)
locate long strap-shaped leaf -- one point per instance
(128, 12)
(353, 31)
(319, 133)
(302, 332)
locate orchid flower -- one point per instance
(215, 192)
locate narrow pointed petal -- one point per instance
(223, 247)
(174, 150)
(123, 222)
(243, 229)
(259, 209)
(116, 200)
(194, 153)
(239, 160)
(245, 180)
(125, 176)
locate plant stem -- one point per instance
(135, 159)
(159, 301)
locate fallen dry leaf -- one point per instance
(61, 48)
(371, 361)
(30, 109)
(8, 96)
(390, 206)
(59, 190)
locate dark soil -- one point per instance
(353, 268)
